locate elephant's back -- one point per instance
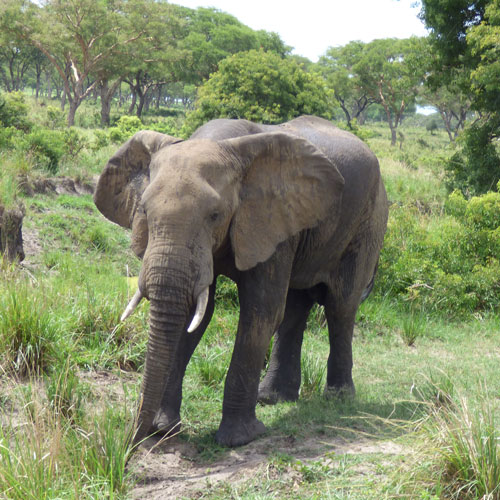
(226, 128)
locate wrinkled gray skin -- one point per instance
(294, 214)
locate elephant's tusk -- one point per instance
(201, 307)
(132, 305)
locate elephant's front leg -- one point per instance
(262, 294)
(168, 420)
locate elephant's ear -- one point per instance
(123, 180)
(288, 185)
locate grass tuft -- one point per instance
(313, 374)
(413, 326)
(28, 335)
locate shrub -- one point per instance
(55, 117)
(447, 264)
(125, 128)
(74, 143)
(14, 111)
(7, 135)
(47, 147)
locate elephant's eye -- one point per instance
(214, 216)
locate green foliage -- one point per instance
(413, 326)
(259, 86)
(450, 264)
(475, 168)
(55, 117)
(46, 147)
(125, 128)
(14, 111)
(431, 126)
(13, 166)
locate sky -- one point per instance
(311, 26)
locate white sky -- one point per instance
(311, 26)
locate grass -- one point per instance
(66, 435)
(49, 454)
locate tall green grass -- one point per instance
(29, 337)
(46, 453)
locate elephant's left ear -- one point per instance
(288, 185)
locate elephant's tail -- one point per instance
(369, 287)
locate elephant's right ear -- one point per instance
(126, 175)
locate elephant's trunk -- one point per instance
(169, 289)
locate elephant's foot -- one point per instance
(166, 424)
(279, 386)
(269, 395)
(239, 431)
(344, 391)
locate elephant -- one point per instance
(295, 214)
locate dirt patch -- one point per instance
(173, 468)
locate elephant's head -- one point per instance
(191, 202)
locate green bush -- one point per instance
(14, 111)
(55, 117)
(74, 143)
(447, 264)
(7, 137)
(47, 146)
(170, 126)
(125, 128)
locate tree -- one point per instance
(448, 22)
(452, 104)
(260, 86)
(336, 66)
(389, 74)
(212, 35)
(16, 58)
(79, 37)
(466, 40)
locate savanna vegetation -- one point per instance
(424, 423)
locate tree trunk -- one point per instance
(107, 93)
(73, 106)
(63, 100)
(134, 100)
(142, 100)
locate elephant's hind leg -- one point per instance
(283, 377)
(340, 328)
(346, 290)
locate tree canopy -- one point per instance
(260, 86)
(466, 38)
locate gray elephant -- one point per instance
(294, 214)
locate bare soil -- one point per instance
(173, 469)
